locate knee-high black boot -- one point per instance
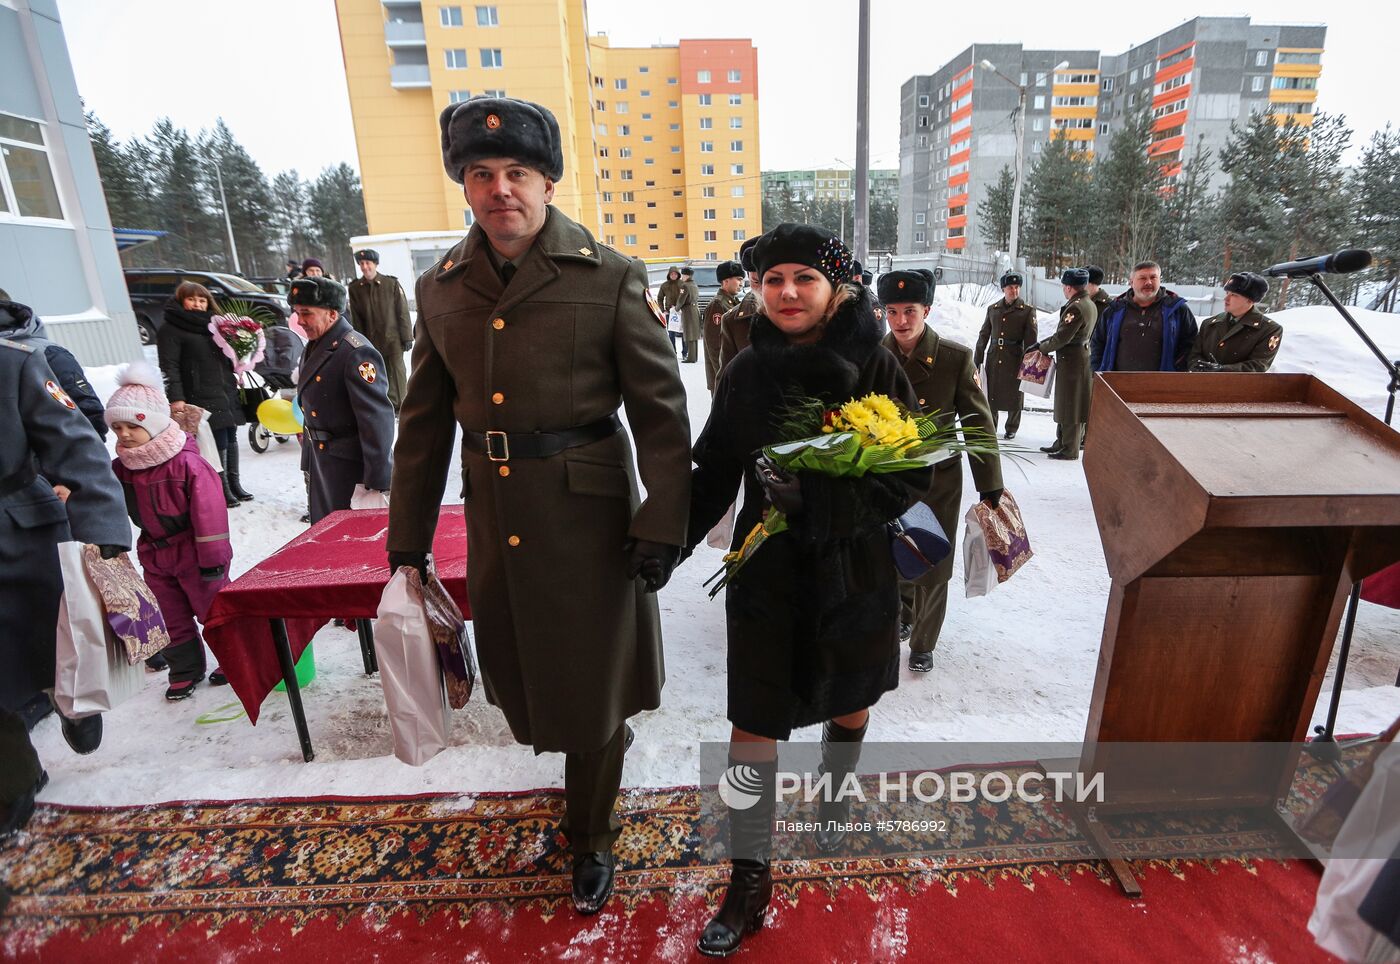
(751, 875)
(230, 499)
(231, 473)
(840, 754)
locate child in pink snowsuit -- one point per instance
(176, 499)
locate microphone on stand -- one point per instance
(1338, 262)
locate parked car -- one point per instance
(274, 286)
(152, 288)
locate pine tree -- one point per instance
(884, 224)
(1059, 198)
(994, 210)
(249, 197)
(1376, 190)
(177, 182)
(1187, 248)
(293, 231)
(1127, 192)
(338, 211)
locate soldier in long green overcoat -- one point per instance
(1070, 343)
(379, 311)
(530, 336)
(941, 372)
(1008, 329)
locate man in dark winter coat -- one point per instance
(349, 423)
(941, 372)
(730, 275)
(379, 311)
(1009, 328)
(530, 337)
(1145, 329)
(44, 442)
(734, 325)
(1073, 377)
(1241, 338)
(689, 304)
(19, 323)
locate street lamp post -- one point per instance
(1015, 240)
(228, 222)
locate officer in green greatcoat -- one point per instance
(1241, 338)
(379, 311)
(1073, 376)
(1008, 329)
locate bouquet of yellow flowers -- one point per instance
(870, 434)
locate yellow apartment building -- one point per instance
(660, 143)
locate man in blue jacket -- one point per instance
(1145, 329)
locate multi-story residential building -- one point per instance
(58, 253)
(957, 125)
(660, 143)
(831, 184)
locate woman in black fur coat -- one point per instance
(813, 618)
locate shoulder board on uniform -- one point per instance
(354, 340)
(18, 346)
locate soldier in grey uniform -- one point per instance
(1073, 376)
(1009, 328)
(44, 442)
(349, 423)
(379, 311)
(1241, 338)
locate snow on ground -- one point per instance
(1016, 665)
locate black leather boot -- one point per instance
(235, 487)
(840, 754)
(751, 875)
(230, 499)
(593, 881)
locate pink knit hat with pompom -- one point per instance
(139, 399)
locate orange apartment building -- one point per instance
(660, 143)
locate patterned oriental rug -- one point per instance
(486, 878)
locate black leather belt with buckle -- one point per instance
(503, 446)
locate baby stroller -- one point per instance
(274, 375)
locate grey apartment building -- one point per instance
(957, 129)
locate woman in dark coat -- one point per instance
(813, 618)
(197, 372)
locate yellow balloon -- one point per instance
(276, 416)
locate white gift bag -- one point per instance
(675, 322)
(368, 499)
(92, 674)
(414, 691)
(979, 575)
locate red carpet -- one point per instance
(486, 878)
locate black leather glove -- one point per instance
(211, 573)
(1201, 365)
(408, 346)
(110, 552)
(784, 490)
(418, 560)
(1031, 348)
(653, 562)
(992, 498)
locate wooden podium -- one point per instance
(1236, 511)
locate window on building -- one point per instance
(707, 192)
(1261, 58)
(1039, 102)
(675, 127)
(491, 57)
(1103, 128)
(645, 93)
(677, 193)
(486, 17)
(494, 92)
(624, 152)
(1073, 101)
(736, 169)
(736, 146)
(624, 130)
(605, 174)
(673, 104)
(621, 107)
(450, 16)
(646, 117)
(675, 148)
(620, 83)
(1106, 84)
(737, 214)
(1295, 83)
(1296, 57)
(455, 59)
(600, 105)
(1256, 83)
(467, 217)
(678, 214)
(457, 96)
(705, 101)
(676, 171)
(607, 197)
(707, 170)
(709, 214)
(671, 81)
(629, 219)
(603, 130)
(711, 235)
(627, 174)
(1035, 148)
(706, 123)
(923, 120)
(920, 218)
(602, 152)
(736, 100)
(735, 76)
(919, 237)
(923, 140)
(741, 235)
(649, 160)
(923, 100)
(646, 138)
(629, 239)
(628, 197)
(607, 219)
(702, 76)
(707, 147)
(736, 123)
(736, 191)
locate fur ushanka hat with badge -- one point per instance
(906, 287)
(497, 127)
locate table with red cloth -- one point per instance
(262, 621)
